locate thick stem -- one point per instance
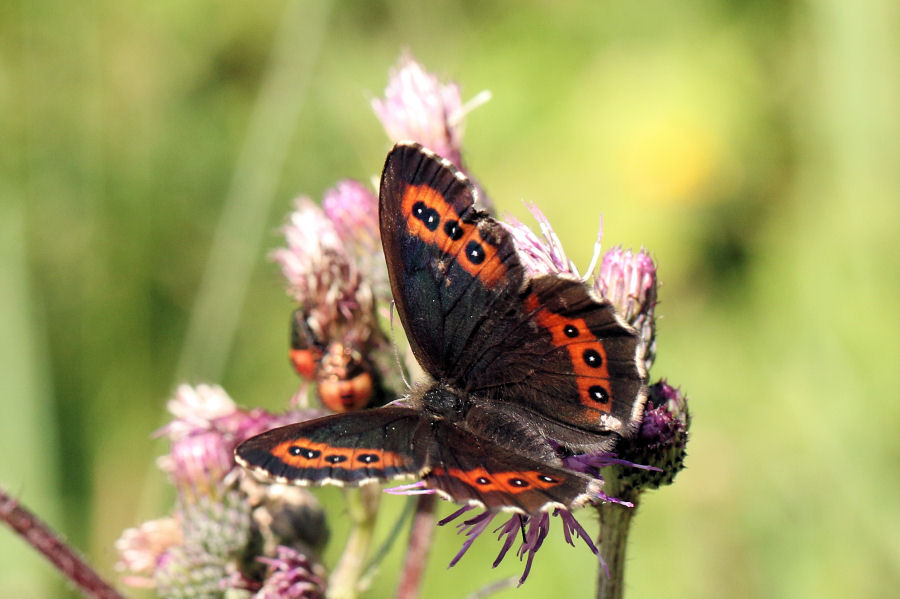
(615, 522)
(362, 509)
(37, 534)
(420, 536)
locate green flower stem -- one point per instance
(37, 534)
(615, 522)
(362, 509)
(420, 535)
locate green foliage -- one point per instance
(752, 147)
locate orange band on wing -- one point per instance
(503, 482)
(431, 218)
(586, 352)
(303, 453)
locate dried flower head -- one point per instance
(142, 548)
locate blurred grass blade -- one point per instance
(27, 425)
(241, 227)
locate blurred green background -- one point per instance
(150, 150)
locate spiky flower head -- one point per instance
(628, 280)
(418, 107)
(324, 277)
(661, 441)
(543, 254)
(353, 210)
(291, 575)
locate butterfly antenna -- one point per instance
(397, 349)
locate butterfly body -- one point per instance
(525, 369)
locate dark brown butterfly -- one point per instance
(526, 370)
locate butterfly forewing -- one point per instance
(452, 268)
(340, 449)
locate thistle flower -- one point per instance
(291, 575)
(195, 409)
(628, 280)
(539, 255)
(198, 463)
(418, 107)
(352, 209)
(200, 550)
(321, 276)
(661, 442)
(334, 293)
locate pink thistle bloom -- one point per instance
(418, 107)
(539, 255)
(323, 278)
(628, 280)
(353, 210)
(198, 463)
(195, 408)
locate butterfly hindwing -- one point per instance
(469, 468)
(340, 449)
(567, 356)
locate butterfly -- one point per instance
(344, 379)
(525, 370)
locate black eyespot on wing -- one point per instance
(592, 358)
(474, 252)
(598, 394)
(453, 230)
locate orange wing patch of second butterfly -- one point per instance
(304, 453)
(586, 352)
(431, 218)
(502, 482)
